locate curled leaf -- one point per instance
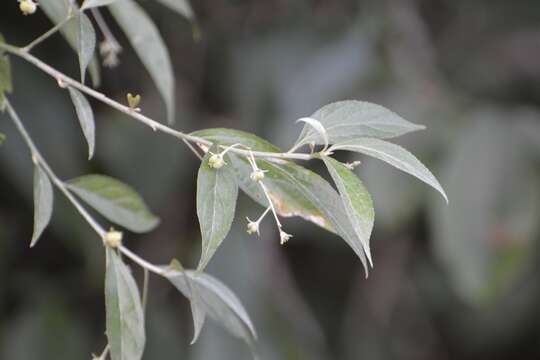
(318, 127)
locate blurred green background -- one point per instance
(457, 281)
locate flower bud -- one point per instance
(216, 161)
(113, 238)
(257, 175)
(133, 100)
(252, 227)
(28, 7)
(284, 237)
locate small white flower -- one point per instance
(216, 161)
(113, 238)
(352, 165)
(28, 7)
(257, 175)
(284, 237)
(110, 51)
(252, 227)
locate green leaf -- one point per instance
(124, 313)
(2, 138)
(86, 37)
(197, 310)
(87, 4)
(230, 136)
(345, 120)
(216, 201)
(144, 36)
(180, 6)
(297, 191)
(216, 300)
(43, 203)
(57, 11)
(6, 85)
(114, 200)
(86, 118)
(356, 199)
(395, 155)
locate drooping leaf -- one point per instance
(356, 200)
(2, 138)
(230, 136)
(57, 11)
(43, 203)
(216, 300)
(86, 37)
(144, 36)
(345, 120)
(297, 191)
(124, 313)
(114, 200)
(395, 155)
(86, 118)
(216, 202)
(6, 85)
(197, 312)
(88, 4)
(180, 6)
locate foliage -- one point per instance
(231, 160)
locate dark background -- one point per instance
(457, 281)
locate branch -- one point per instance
(38, 159)
(64, 80)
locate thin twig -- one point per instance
(192, 148)
(46, 35)
(145, 289)
(143, 263)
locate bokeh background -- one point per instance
(457, 281)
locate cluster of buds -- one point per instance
(257, 175)
(216, 161)
(28, 7)
(252, 227)
(284, 237)
(113, 238)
